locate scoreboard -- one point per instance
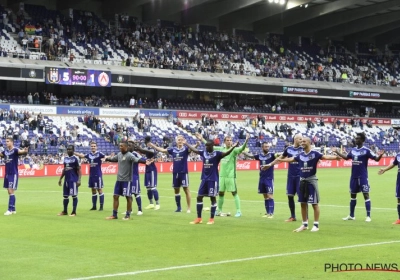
(77, 77)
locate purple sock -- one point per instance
(292, 206)
(178, 201)
(74, 203)
(271, 206)
(150, 195)
(138, 202)
(155, 194)
(115, 213)
(11, 202)
(353, 203)
(94, 199)
(199, 207)
(213, 209)
(266, 203)
(368, 207)
(65, 203)
(101, 196)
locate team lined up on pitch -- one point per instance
(301, 179)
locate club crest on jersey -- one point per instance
(69, 160)
(267, 156)
(307, 157)
(93, 156)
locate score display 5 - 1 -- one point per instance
(81, 77)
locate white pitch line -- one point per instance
(233, 261)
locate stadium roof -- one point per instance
(351, 20)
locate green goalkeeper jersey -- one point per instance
(227, 167)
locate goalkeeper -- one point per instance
(227, 173)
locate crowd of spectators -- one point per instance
(177, 47)
(231, 103)
(47, 135)
(48, 98)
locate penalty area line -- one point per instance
(234, 260)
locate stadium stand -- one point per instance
(86, 39)
(161, 130)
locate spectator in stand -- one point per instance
(170, 117)
(30, 98)
(132, 102)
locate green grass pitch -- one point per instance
(37, 244)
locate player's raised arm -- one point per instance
(279, 160)
(387, 168)
(193, 149)
(336, 151)
(79, 155)
(111, 158)
(379, 156)
(200, 137)
(248, 155)
(159, 149)
(230, 150)
(144, 151)
(23, 151)
(281, 156)
(198, 143)
(329, 157)
(133, 158)
(241, 148)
